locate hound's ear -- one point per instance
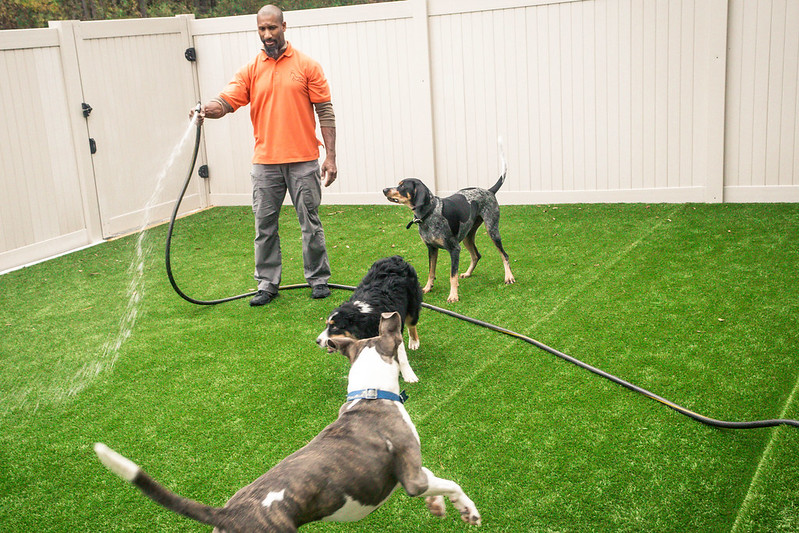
(390, 323)
(345, 346)
(421, 195)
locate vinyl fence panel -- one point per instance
(41, 205)
(762, 134)
(140, 86)
(596, 101)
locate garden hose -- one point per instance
(682, 410)
(172, 227)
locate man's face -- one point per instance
(271, 32)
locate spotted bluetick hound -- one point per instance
(346, 472)
(391, 284)
(445, 222)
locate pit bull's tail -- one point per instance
(504, 172)
(130, 471)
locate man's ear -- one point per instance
(343, 345)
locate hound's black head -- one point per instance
(411, 192)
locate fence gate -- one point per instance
(137, 86)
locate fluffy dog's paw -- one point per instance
(413, 344)
(436, 506)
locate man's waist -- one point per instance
(265, 154)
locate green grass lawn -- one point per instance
(697, 303)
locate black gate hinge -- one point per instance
(203, 171)
(190, 54)
(87, 109)
(92, 146)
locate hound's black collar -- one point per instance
(420, 219)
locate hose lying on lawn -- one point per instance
(682, 410)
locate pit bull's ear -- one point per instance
(390, 323)
(343, 345)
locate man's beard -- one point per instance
(273, 51)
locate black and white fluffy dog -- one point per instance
(391, 284)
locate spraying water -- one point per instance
(135, 290)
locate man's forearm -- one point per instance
(216, 108)
(329, 138)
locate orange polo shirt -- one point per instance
(281, 95)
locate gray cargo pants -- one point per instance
(269, 185)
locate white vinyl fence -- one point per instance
(596, 101)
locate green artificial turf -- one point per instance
(697, 303)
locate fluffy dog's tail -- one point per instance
(130, 471)
(504, 172)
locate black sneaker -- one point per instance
(320, 291)
(262, 298)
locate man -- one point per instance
(283, 87)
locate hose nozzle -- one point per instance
(194, 115)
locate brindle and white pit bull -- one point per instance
(347, 471)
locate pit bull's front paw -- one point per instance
(452, 298)
(468, 510)
(471, 516)
(427, 288)
(509, 280)
(436, 506)
(408, 375)
(413, 344)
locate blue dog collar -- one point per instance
(376, 394)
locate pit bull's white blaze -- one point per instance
(273, 497)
